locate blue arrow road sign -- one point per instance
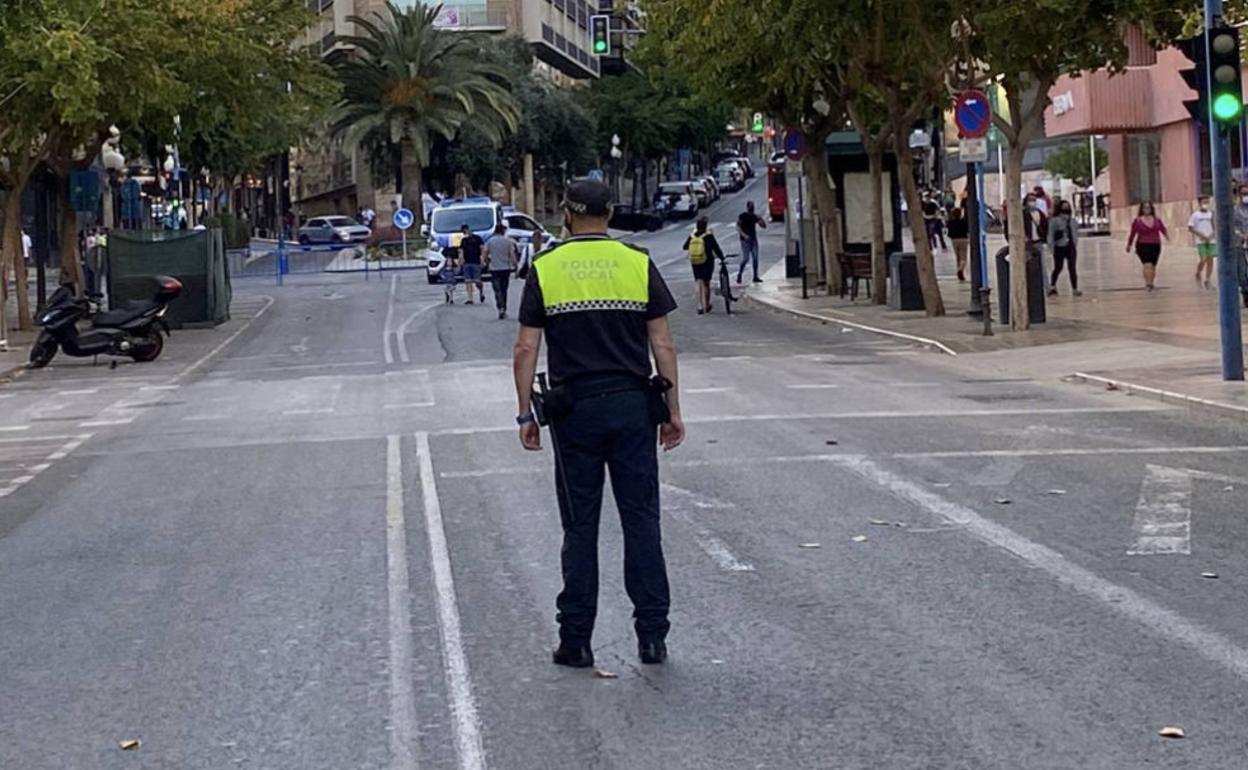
(403, 219)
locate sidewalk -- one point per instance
(1163, 344)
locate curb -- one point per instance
(1165, 396)
(924, 341)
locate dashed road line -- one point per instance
(403, 735)
(62, 451)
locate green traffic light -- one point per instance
(1227, 107)
(600, 46)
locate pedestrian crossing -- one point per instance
(23, 459)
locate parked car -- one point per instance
(710, 180)
(333, 230)
(708, 184)
(676, 199)
(625, 217)
(729, 177)
(702, 194)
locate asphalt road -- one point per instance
(319, 545)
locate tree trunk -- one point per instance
(12, 247)
(412, 185)
(71, 260)
(932, 303)
(879, 260)
(507, 183)
(529, 201)
(1020, 317)
(829, 215)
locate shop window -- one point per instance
(1238, 165)
(1143, 167)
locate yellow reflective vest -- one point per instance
(593, 274)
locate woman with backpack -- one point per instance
(1063, 242)
(703, 251)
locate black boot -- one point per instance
(652, 652)
(573, 657)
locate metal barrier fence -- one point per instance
(294, 259)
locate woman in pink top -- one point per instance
(1146, 234)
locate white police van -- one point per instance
(482, 215)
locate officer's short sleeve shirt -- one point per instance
(596, 341)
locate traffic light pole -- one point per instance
(1228, 254)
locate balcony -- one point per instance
(473, 18)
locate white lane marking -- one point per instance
(291, 368)
(712, 546)
(160, 387)
(80, 392)
(732, 358)
(401, 334)
(33, 439)
(211, 354)
(851, 325)
(1074, 452)
(789, 416)
(1163, 513)
(61, 453)
(205, 417)
(399, 608)
(813, 386)
(13, 428)
(297, 412)
(1166, 623)
(387, 329)
(458, 682)
(105, 423)
(696, 391)
(413, 405)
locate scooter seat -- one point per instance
(124, 314)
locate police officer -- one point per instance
(602, 307)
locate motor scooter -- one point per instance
(136, 329)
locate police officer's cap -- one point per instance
(587, 197)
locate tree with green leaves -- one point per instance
(728, 50)
(1027, 47)
(410, 82)
(1074, 162)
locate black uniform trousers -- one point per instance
(610, 431)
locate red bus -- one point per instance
(777, 195)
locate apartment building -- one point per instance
(325, 179)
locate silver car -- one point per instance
(333, 230)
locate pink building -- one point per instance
(1156, 151)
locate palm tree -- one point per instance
(409, 81)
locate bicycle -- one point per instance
(725, 282)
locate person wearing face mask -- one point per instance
(1063, 242)
(1240, 249)
(1146, 233)
(1200, 225)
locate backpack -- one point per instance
(697, 249)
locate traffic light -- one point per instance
(1226, 80)
(600, 34)
(1196, 77)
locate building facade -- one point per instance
(328, 179)
(1157, 153)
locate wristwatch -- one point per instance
(525, 419)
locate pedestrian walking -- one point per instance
(933, 222)
(602, 307)
(1044, 204)
(1200, 225)
(1240, 223)
(502, 256)
(27, 244)
(747, 230)
(449, 277)
(1063, 240)
(470, 248)
(703, 250)
(1146, 233)
(960, 233)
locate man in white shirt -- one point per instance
(1200, 225)
(26, 246)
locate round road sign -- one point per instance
(973, 114)
(403, 219)
(794, 144)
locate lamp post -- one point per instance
(616, 154)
